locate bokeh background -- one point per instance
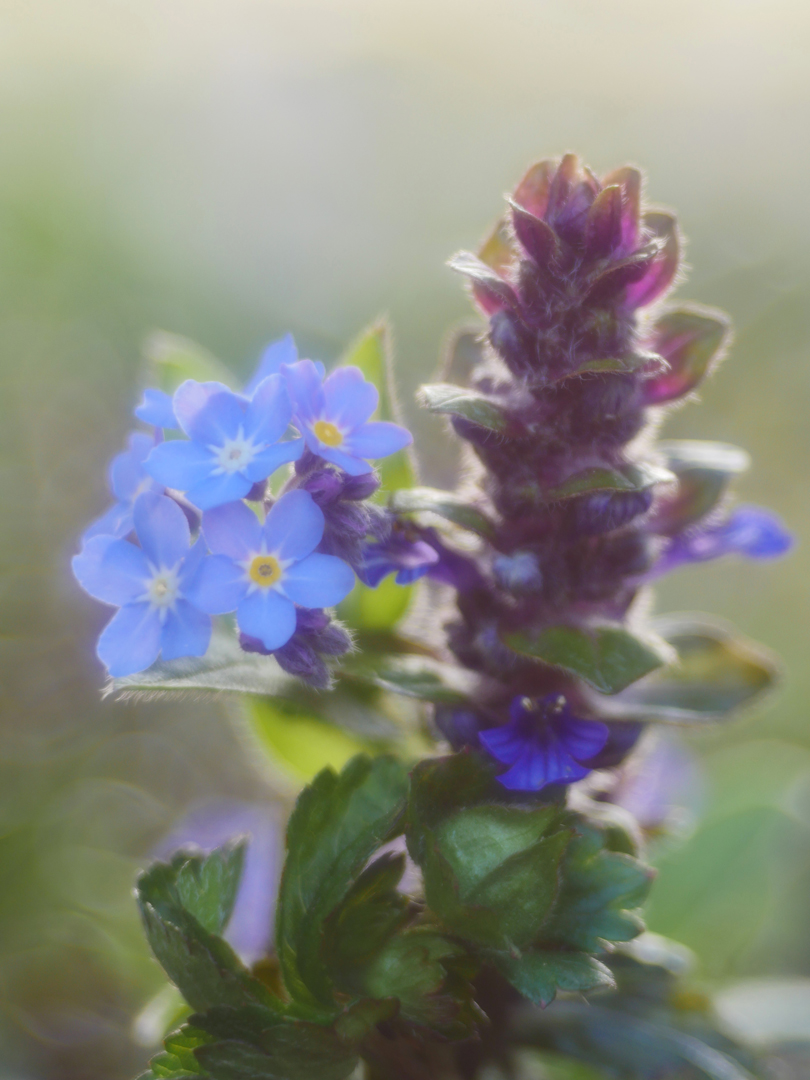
(232, 169)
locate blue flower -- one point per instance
(332, 415)
(409, 557)
(274, 355)
(263, 571)
(127, 479)
(748, 530)
(150, 585)
(233, 441)
(157, 409)
(544, 743)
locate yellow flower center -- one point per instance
(327, 433)
(265, 570)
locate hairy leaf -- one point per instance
(539, 973)
(692, 340)
(607, 657)
(444, 503)
(472, 405)
(337, 824)
(716, 673)
(633, 477)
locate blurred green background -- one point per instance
(232, 169)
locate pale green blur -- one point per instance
(230, 170)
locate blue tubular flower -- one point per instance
(748, 530)
(127, 479)
(408, 557)
(234, 442)
(263, 571)
(544, 743)
(333, 416)
(150, 585)
(157, 409)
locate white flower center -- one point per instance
(235, 454)
(163, 589)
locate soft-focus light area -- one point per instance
(232, 169)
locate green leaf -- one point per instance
(446, 504)
(539, 973)
(358, 928)
(428, 974)
(224, 667)
(178, 1061)
(371, 352)
(297, 739)
(172, 359)
(692, 339)
(338, 822)
(632, 477)
(252, 1044)
(716, 673)
(607, 657)
(600, 890)
(376, 609)
(204, 968)
(419, 677)
(450, 400)
(704, 471)
(207, 886)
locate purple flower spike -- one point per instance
(263, 571)
(749, 531)
(234, 442)
(333, 416)
(127, 479)
(408, 557)
(157, 409)
(544, 743)
(150, 585)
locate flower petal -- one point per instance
(270, 411)
(208, 412)
(582, 739)
(318, 581)
(232, 530)
(116, 522)
(113, 571)
(377, 439)
(294, 526)
(216, 490)
(131, 640)
(306, 392)
(354, 466)
(350, 399)
(156, 408)
(268, 616)
(218, 586)
(186, 632)
(162, 529)
(180, 464)
(506, 744)
(267, 461)
(279, 352)
(126, 472)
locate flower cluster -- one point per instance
(195, 532)
(583, 512)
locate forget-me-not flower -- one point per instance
(150, 585)
(233, 441)
(544, 743)
(333, 416)
(263, 570)
(127, 479)
(157, 409)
